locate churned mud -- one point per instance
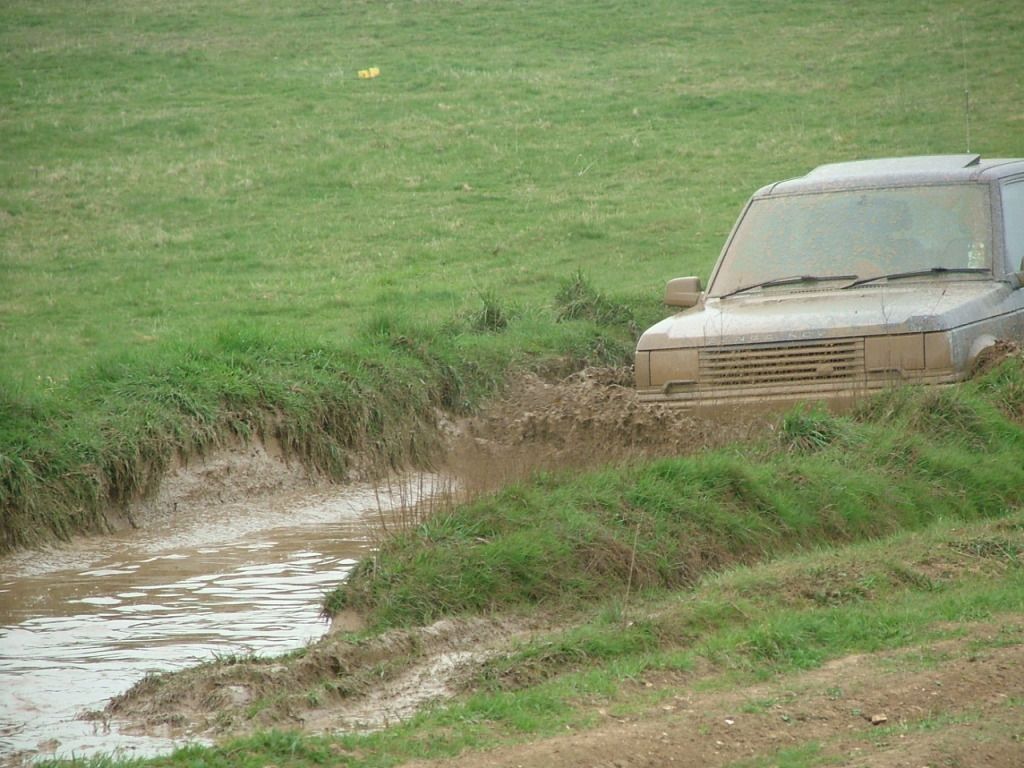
(340, 684)
(234, 474)
(589, 418)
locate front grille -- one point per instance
(793, 363)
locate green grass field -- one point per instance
(211, 228)
(206, 216)
(168, 170)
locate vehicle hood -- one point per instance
(868, 310)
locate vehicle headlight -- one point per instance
(907, 352)
(673, 366)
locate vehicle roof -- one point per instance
(898, 171)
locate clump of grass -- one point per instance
(577, 299)
(806, 430)
(492, 315)
(1004, 387)
(998, 547)
(591, 643)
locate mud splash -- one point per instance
(201, 580)
(590, 418)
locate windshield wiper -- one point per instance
(918, 273)
(791, 280)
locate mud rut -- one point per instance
(593, 417)
(589, 418)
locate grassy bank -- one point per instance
(748, 625)
(208, 221)
(902, 461)
(373, 399)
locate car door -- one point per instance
(1012, 202)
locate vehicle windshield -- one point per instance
(867, 233)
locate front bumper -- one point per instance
(815, 369)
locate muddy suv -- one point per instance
(847, 280)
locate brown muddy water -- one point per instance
(82, 623)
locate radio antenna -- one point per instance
(967, 89)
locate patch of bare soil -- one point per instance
(943, 705)
(338, 684)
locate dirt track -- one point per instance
(962, 711)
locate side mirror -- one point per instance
(683, 292)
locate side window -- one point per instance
(1013, 221)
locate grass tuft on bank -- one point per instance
(902, 460)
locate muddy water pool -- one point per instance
(80, 624)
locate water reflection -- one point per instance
(79, 625)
